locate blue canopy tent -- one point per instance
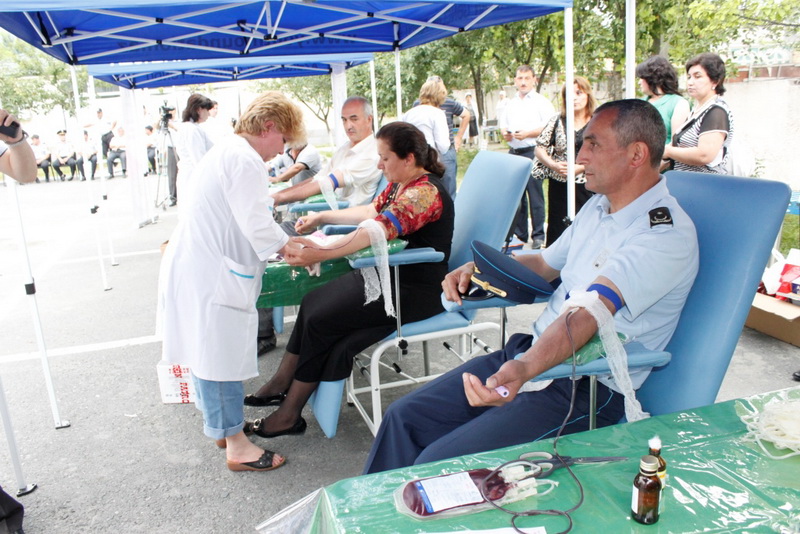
(105, 31)
(168, 73)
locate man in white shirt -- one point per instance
(353, 172)
(523, 119)
(116, 151)
(63, 154)
(42, 155)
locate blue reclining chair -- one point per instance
(737, 220)
(484, 208)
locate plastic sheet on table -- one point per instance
(286, 285)
(717, 482)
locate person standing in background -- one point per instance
(451, 108)
(525, 116)
(192, 141)
(702, 142)
(659, 83)
(551, 151)
(473, 121)
(430, 118)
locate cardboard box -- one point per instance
(775, 318)
(176, 384)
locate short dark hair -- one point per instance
(525, 68)
(195, 103)
(638, 121)
(714, 67)
(659, 74)
(404, 139)
(148, 128)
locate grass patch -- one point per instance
(790, 233)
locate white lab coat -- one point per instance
(211, 271)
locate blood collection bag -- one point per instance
(459, 493)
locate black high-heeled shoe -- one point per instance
(271, 400)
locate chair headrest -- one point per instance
(497, 274)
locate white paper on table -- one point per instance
(445, 492)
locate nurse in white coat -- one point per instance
(211, 273)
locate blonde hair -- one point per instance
(273, 106)
(432, 93)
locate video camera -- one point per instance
(166, 115)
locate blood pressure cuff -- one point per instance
(497, 274)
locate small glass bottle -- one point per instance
(655, 450)
(646, 491)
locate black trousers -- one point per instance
(11, 513)
(557, 207)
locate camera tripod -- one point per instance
(166, 163)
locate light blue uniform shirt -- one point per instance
(653, 265)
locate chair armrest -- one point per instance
(315, 206)
(338, 229)
(404, 257)
(638, 357)
(467, 305)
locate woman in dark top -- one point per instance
(334, 323)
(551, 151)
(700, 145)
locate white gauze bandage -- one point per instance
(326, 188)
(615, 353)
(377, 280)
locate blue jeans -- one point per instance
(222, 404)
(450, 171)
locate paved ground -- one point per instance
(129, 463)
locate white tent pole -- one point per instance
(22, 488)
(372, 86)
(30, 289)
(630, 48)
(397, 83)
(339, 93)
(136, 158)
(89, 190)
(569, 65)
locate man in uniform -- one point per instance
(631, 252)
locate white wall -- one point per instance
(766, 114)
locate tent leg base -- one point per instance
(62, 424)
(26, 490)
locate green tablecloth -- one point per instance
(285, 285)
(718, 481)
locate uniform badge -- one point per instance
(660, 216)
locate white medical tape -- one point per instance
(377, 280)
(615, 353)
(326, 188)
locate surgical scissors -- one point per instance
(544, 463)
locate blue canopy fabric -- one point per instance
(168, 73)
(84, 32)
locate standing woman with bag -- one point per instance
(551, 157)
(701, 144)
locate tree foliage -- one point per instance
(314, 92)
(34, 82)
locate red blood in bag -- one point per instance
(495, 489)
